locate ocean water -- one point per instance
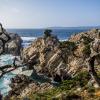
(4, 83)
(6, 59)
(28, 35)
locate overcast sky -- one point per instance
(49, 13)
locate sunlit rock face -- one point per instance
(9, 42)
(46, 55)
(52, 57)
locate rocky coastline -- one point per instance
(54, 59)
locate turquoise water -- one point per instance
(4, 83)
(28, 35)
(6, 59)
(5, 80)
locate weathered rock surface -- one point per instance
(18, 83)
(9, 42)
(61, 59)
(14, 45)
(22, 85)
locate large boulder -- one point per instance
(9, 42)
(14, 45)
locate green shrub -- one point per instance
(68, 44)
(91, 89)
(47, 33)
(86, 50)
(68, 84)
(86, 40)
(82, 78)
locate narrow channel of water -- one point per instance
(5, 80)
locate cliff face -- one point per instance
(54, 58)
(9, 42)
(44, 53)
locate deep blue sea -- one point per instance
(28, 35)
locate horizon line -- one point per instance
(54, 27)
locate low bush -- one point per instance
(69, 45)
(86, 50)
(82, 78)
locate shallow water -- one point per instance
(5, 80)
(6, 59)
(4, 83)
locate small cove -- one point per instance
(5, 79)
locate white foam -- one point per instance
(28, 38)
(6, 59)
(6, 81)
(63, 40)
(27, 41)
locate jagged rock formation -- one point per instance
(46, 54)
(61, 59)
(18, 83)
(9, 42)
(4, 38)
(21, 85)
(14, 45)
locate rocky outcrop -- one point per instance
(4, 38)
(9, 42)
(14, 45)
(48, 56)
(22, 85)
(61, 59)
(90, 34)
(18, 83)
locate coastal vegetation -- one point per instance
(76, 88)
(53, 69)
